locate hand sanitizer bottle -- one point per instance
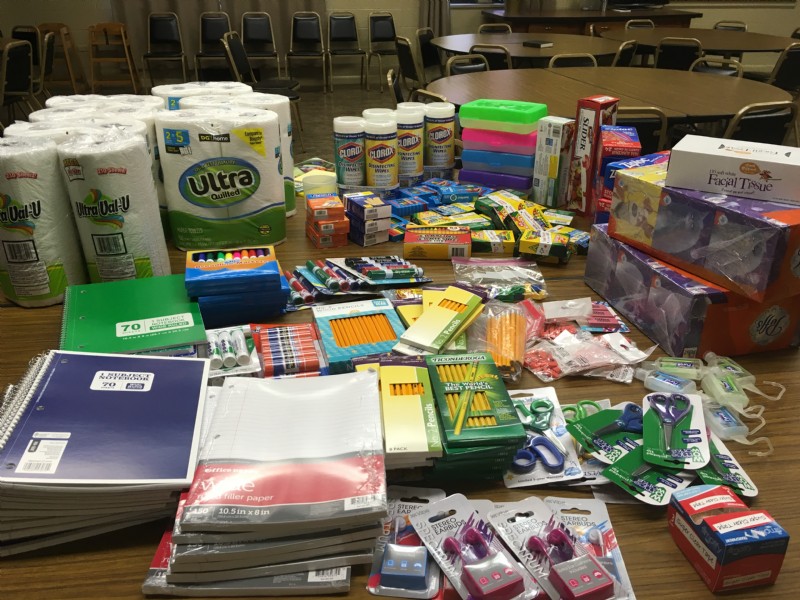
(688, 368)
(659, 381)
(744, 378)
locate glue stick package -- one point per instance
(401, 566)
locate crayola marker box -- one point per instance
(442, 243)
(231, 271)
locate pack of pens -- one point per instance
(232, 271)
(290, 350)
(378, 271)
(472, 401)
(352, 329)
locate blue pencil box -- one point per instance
(498, 162)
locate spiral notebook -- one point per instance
(130, 316)
(104, 420)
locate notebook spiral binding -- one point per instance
(17, 397)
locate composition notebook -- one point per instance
(129, 316)
(104, 420)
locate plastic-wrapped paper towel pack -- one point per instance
(222, 175)
(172, 93)
(40, 253)
(114, 200)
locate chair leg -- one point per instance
(369, 64)
(330, 70)
(295, 108)
(184, 68)
(362, 80)
(324, 76)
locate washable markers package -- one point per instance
(548, 454)
(466, 547)
(402, 567)
(231, 271)
(674, 429)
(550, 551)
(589, 521)
(609, 434)
(649, 483)
(724, 469)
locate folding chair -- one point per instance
(409, 64)
(718, 66)
(498, 57)
(431, 58)
(343, 42)
(258, 38)
(381, 40)
(16, 76)
(164, 43)
(573, 59)
(465, 63)
(213, 26)
(306, 42)
(766, 122)
(494, 28)
(625, 54)
(677, 53)
(651, 125)
(394, 84)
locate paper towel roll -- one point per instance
(57, 131)
(172, 93)
(135, 100)
(279, 105)
(74, 113)
(114, 199)
(40, 251)
(75, 100)
(222, 177)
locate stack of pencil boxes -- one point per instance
(499, 138)
(236, 285)
(370, 218)
(326, 224)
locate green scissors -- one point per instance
(580, 410)
(537, 416)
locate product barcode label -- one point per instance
(357, 502)
(458, 252)
(23, 251)
(110, 244)
(337, 574)
(42, 456)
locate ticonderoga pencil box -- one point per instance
(497, 206)
(494, 242)
(538, 244)
(684, 314)
(353, 329)
(747, 246)
(472, 400)
(231, 271)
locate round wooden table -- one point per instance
(602, 50)
(714, 41)
(682, 95)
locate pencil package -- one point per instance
(289, 350)
(501, 331)
(474, 406)
(442, 243)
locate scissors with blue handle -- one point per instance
(579, 410)
(537, 416)
(670, 408)
(538, 449)
(630, 420)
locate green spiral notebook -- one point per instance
(130, 316)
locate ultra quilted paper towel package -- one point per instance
(57, 131)
(277, 104)
(222, 174)
(40, 253)
(115, 204)
(172, 93)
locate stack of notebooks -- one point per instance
(290, 487)
(91, 443)
(236, 286)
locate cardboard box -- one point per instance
(538, 244)
(611, 168)
(553, 154)
(736, 168)
(730, 545)
(592, 112)
(331, 227)
(367, 206)
(616, 142)
(442, 243)
(497, 206)
(368, 239)
(750, 247)
(371, 226)
(494, 242)
(319, 240)
(682, 313)
(324, 207)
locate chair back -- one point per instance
(651, 125)
(731, 25)
(625, 54)
(640, 24)
(213, 25)
(16, 71)
(164, 34)
(48, 54)
(677, 53)
(465, 63)
(494, 28)
(257, 34)
(718, 66)
(573, 59)
(342, 28)
(31, 34)
(766, 122)
(796, 34)
(425, 97)
(235, 54)
(496, 55)
(394, 84)
(428, 52)
(381, 27)
(408, 62)
(306, 33)
(786, 74)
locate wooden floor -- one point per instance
(114, 565)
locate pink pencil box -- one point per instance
(499, 141)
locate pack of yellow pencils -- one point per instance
(352, 329)
(473, 403)
(440, 322)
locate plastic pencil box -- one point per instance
(499, 141)
(498, 162)
(496, 180)
(512, 116)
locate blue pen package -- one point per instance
(232, 271)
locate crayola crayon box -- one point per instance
(232, 271)
(730, 545)
(442, 243)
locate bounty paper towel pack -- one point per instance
(40, 253)
(279, 105)
(172, 93)
(114, 200)
(222, 175)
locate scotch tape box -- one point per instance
(736, 168)
(751, 247)
(553, 153)
(684, 314)
(592, 112)
(730, 545)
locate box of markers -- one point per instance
(231, 271)
(437, 243)
(352, 329)
(324, 207)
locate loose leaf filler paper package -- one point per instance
(222, 175)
